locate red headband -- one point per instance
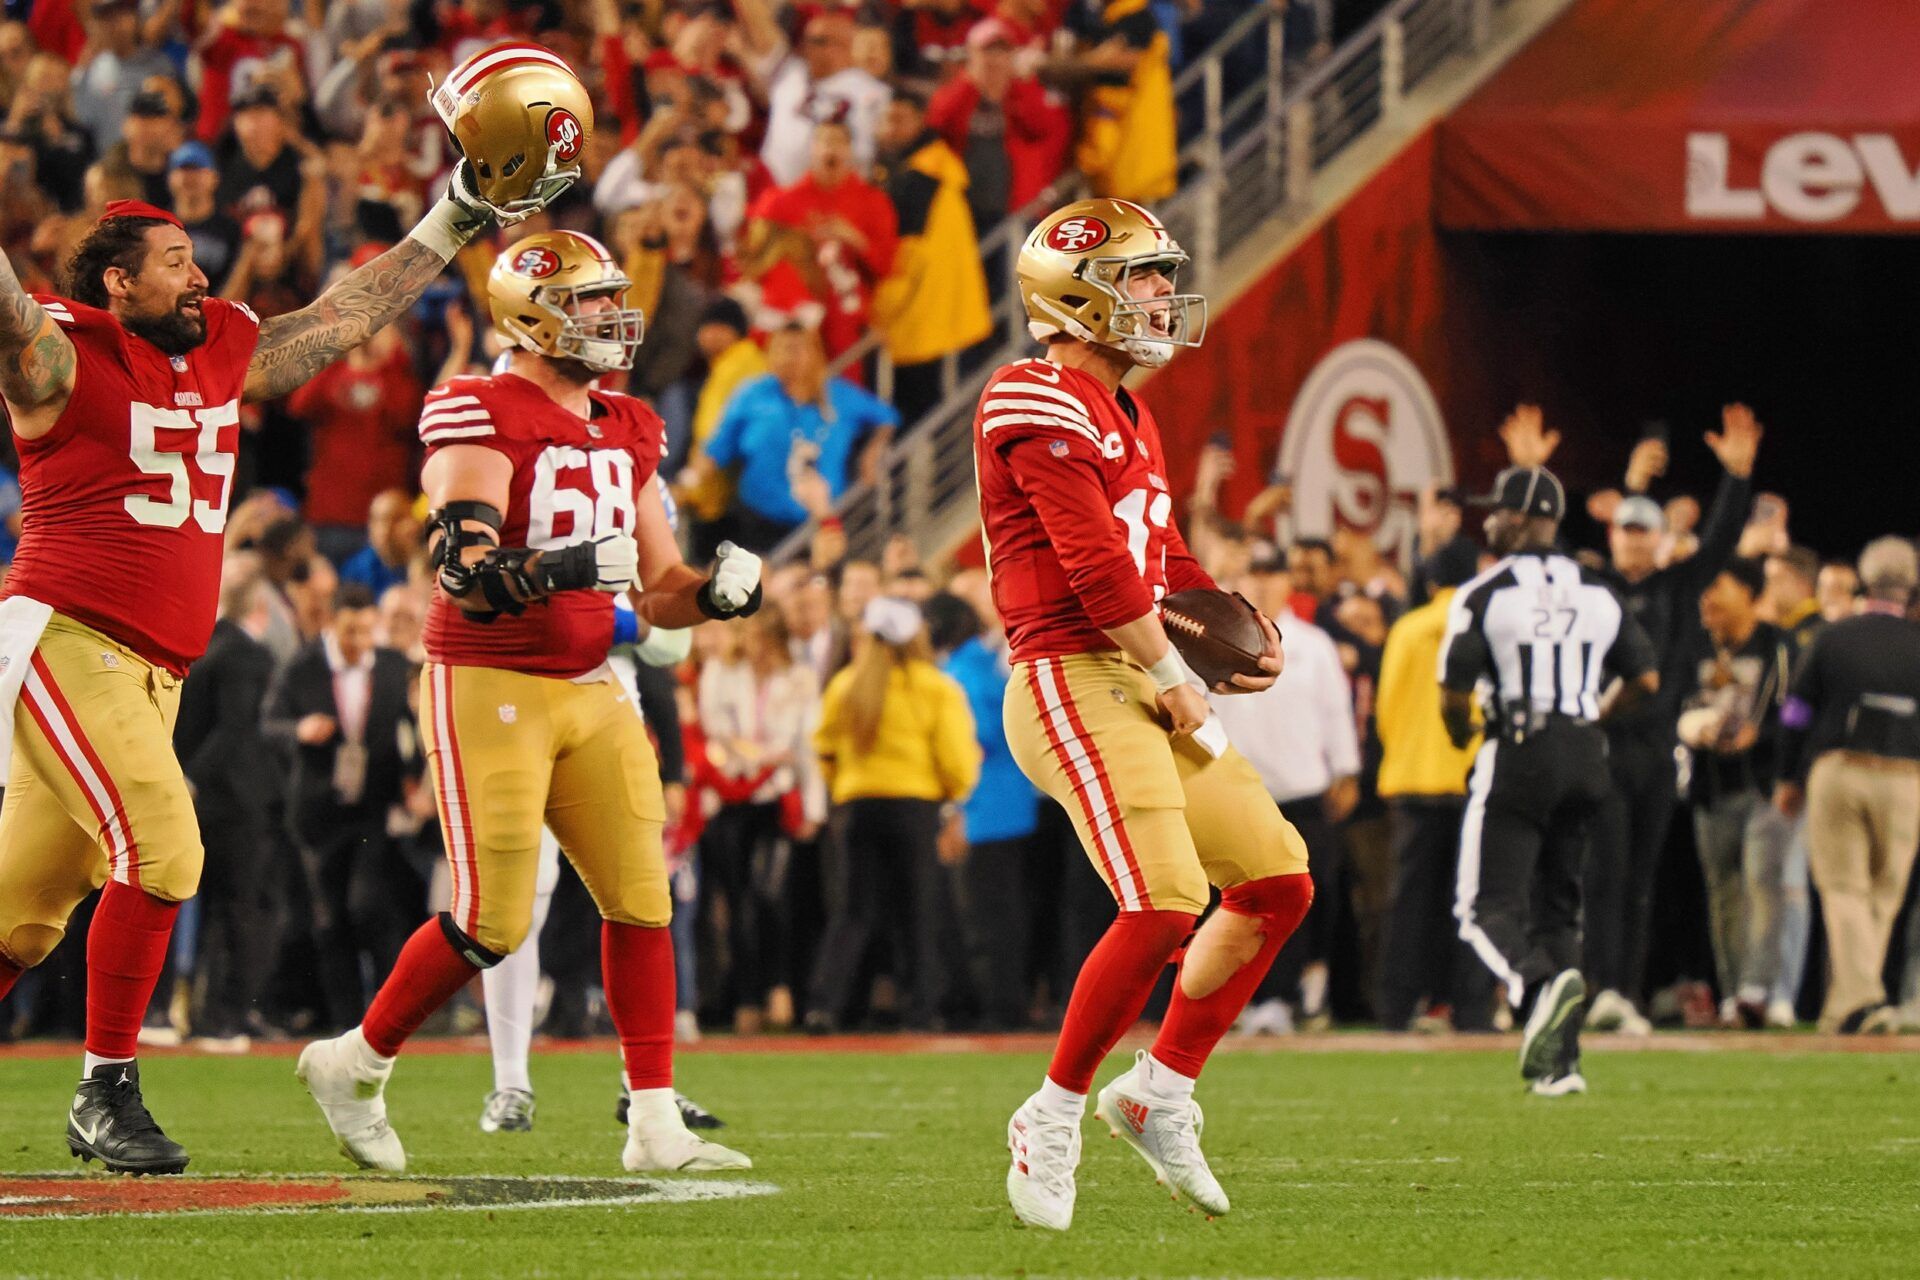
(139, 209)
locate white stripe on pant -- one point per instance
(1467, 887)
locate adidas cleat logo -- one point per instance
(1134, 1113)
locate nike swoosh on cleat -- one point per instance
(87, 1135)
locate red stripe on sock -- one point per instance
(636, 964)
(126, 949)
(425, 977)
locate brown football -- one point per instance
(1217, 632)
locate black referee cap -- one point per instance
(1532, 491)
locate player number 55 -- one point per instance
(170, 465)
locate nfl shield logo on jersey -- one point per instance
(1058, 448)
(179, 363)
(508, 713)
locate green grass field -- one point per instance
(1339, 1164)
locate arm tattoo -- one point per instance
(295, 346)
(36, 358)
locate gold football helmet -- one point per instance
(522, 119)
(534, 292)
(1074, 273)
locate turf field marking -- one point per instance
(69, 1195)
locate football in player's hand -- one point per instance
(1217, 632)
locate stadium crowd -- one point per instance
(853, 843)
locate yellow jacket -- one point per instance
(935, 299)
(925, 750)
(1129, 142)
(743, 360)
(1416, 756)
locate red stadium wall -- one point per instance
(1375, 269)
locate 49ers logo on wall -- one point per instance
(1363, 438)
(537, 263)
(565, 135)
(1077, 235)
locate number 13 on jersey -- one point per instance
(1145, 513)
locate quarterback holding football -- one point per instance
(1104, 715)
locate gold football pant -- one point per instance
(509, 752)
(94, 791)
(1160, 818)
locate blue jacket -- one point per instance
(1004, 806)
(367, 568)
(761, 427)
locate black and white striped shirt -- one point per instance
(1544, 632)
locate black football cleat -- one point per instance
(111, 1124)
(692, 1114)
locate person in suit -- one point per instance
(217, 738)
(341, 708)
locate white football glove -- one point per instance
(664, 646)
(736, 573)
(616, 562)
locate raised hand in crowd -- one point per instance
(1737, 441)
(1647, 463)
(1529, 442)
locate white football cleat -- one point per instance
(658, 1140)
(345, 1078)
(1560, 1084)
(1046, 1151)
(1166, 1133)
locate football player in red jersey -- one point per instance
(544, 509)
(1104, 716)
(124, 399)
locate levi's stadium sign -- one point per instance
(1363, 438)
(1810, 177)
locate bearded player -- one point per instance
(544, 509)
(1103, 715)
(124, 399)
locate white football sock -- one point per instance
(1061, 1102)
(89, 1062)
(1163, 1081)
(512, 988)
(647, 1107)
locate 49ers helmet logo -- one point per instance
(537, 262)
(564, 134)
(1077, 235)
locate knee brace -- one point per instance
(474, 954)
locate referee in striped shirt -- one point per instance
(1543, 640)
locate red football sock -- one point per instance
(126, 949)
(425, 977)
(9, 974)
(1194, 1026)
(1112, 988)
(636, 964)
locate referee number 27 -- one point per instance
(1554, 624)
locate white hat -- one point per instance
(892, 619)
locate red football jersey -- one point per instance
(573, 478)
(124, 501)
(1074, 509)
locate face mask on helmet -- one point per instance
(602, 340)
(1147, 329)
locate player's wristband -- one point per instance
(445, 230)
(1169, 672)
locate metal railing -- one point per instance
(1261, 142)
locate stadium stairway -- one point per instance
(1270, 162)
